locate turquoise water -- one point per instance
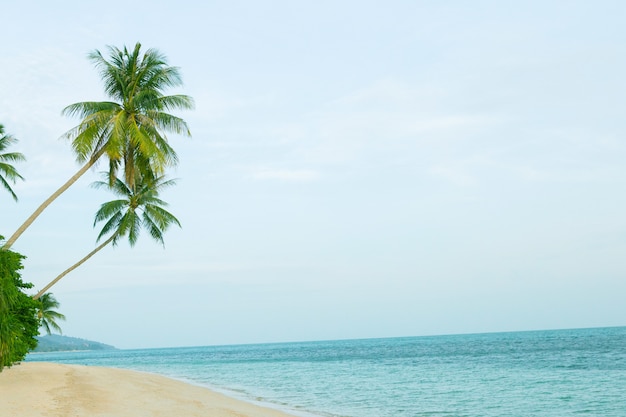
(542, 373)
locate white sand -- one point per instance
(37, 389)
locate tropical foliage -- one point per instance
(7, 170)
(18, 312)
(131, 130)
(47, 314)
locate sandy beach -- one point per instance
(37, 389)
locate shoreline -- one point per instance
(45, 389)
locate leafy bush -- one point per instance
(18, 311)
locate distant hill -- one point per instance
(57, 343)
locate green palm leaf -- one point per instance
(7, 170)
(47, 314)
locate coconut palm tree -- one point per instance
(130, 128)
(47, 314)
(140, 206)
(7, 170)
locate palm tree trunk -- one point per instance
(73, 267)
(53, 197)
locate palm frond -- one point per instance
(169, 123)
(46, 313)
(89, 108)
(12, 157)
(7, 171)
(153, 228)
(111, 225)
(7, 187)
(177, 102)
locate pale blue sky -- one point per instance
(357, 168)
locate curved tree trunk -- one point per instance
(73, 267)
(53, 197)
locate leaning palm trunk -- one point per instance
(73, 267)
(53, 197)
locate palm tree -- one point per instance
(139, 206)
(131, 128)
(8, 171)
(47, 314)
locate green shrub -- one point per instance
(18, 311)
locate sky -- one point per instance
(357, 169)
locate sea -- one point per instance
(554, 373)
